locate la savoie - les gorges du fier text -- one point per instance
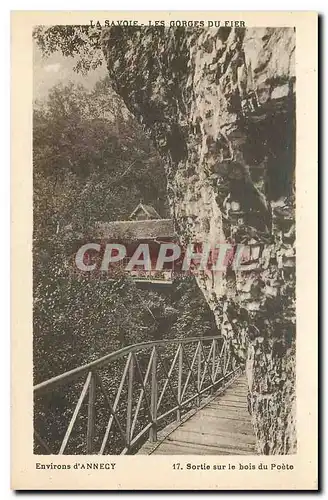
(174, 23)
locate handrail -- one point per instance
(100, 362)
(152, 388)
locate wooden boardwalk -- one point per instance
(220, 427)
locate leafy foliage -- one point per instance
(71, 41)
(92, 162)
(93, 156)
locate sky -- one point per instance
(59, 69)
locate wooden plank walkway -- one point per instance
(221, 427)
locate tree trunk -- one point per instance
(220, 107)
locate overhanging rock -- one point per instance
(220, 107)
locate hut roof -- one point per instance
(148, 210)
(135, 230)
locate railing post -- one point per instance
(213, 362)
(199, 370)
(224, 363)
(153, 398)
(233, 364)
(180, 380)
(91, 414)
(130, 401)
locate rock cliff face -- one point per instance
(220, 107)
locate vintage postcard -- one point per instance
(164, 187)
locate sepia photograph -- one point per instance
(161, 157)
(164, 201)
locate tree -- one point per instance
(91, 163)
(71, 41)
(89, 155)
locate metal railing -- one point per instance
(158, 381)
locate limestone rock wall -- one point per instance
(220, 107)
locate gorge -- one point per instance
(219, 105)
